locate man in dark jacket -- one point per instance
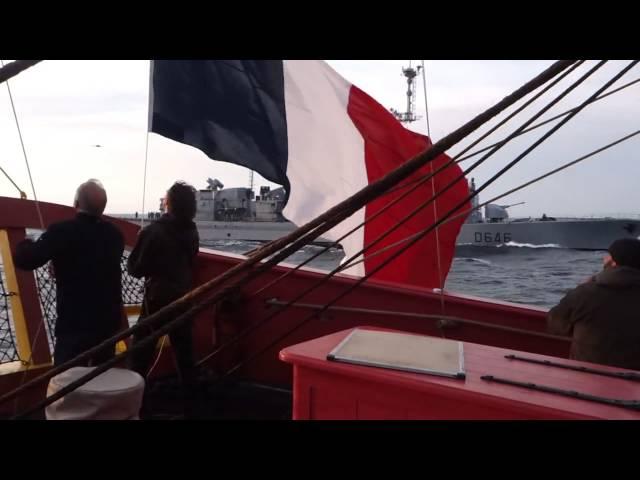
(164, 255)
(603, 314)
(86, 254)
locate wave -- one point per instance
(471, 259)
(529, 245)
(230, 243)
(508, 244)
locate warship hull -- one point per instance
(215, 231)
(579, 234)
(582, 234)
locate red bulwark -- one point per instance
(329, 390)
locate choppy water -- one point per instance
(522, 274)
(534, 276)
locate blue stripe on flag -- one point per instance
(232, 110)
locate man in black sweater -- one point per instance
(85, 253)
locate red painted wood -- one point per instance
(28, 398)
(252, 308)
(334, 390)
(18, 213)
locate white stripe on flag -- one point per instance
(326, 152)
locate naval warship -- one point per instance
(496, 228)
(237, 214)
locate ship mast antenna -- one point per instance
(409, 115)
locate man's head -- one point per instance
(91, 198)
(181, 201)
(624, 252)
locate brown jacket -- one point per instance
(604, 317)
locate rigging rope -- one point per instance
(144, 179)
(433, 195)
(146, 145)
(22, 194)
(426, 103)
(537, 125)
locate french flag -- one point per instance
(301, 125)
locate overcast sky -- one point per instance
(67, 107)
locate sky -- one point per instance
(65, 108)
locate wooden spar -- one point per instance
(14, 68)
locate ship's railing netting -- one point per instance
(132, 287)
(132, 293)
(8, 350)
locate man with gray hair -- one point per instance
(85, 253)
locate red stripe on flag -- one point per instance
(387, 145)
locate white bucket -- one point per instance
(113, 395)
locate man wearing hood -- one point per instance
(603, 314)
(164, 255)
